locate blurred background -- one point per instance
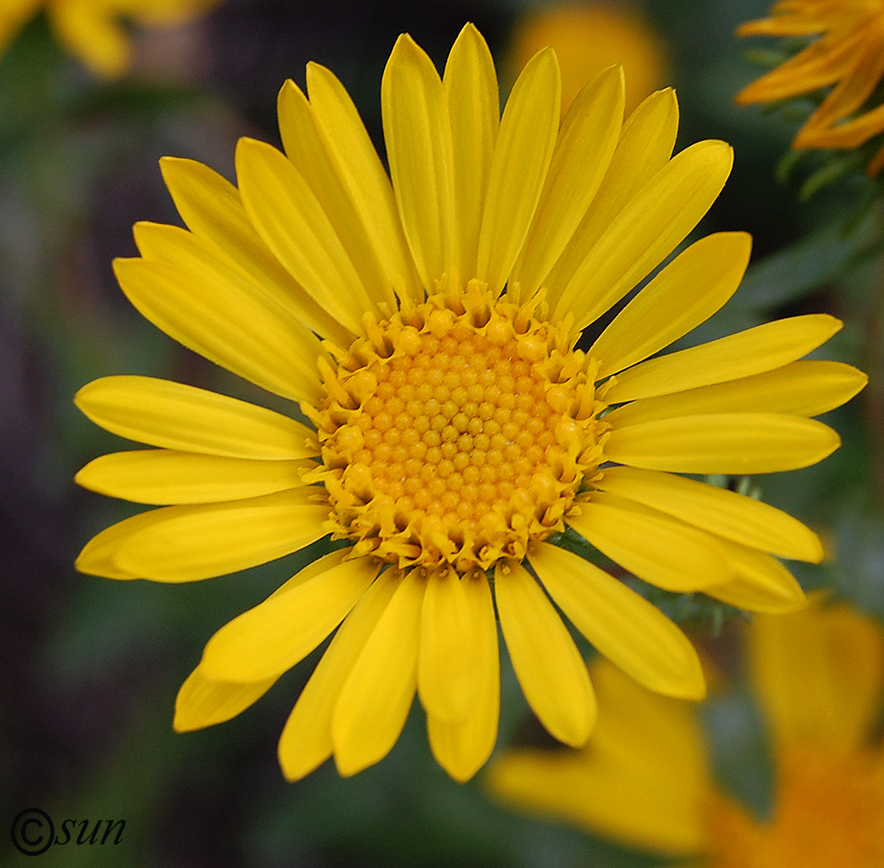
(89, 668)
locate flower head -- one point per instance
(845, 56)
(427, 329)
(645, 777)
(92, 29)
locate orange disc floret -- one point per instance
(460, 430)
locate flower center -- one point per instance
(457, 432)
(829, 811)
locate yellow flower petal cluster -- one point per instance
(93, 29)
(845, 55)
(426, 324)
(645, 778)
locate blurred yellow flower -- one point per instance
(645, 779)
(845, 56)
(456, 429)
(93, 30)
(589, 37)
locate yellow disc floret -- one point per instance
(458, 431)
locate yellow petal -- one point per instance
(820, 64)
(805, 388)
(646, 231)
(645, 145)
(95, 37)
(643, 779)
(623, 626)
(451, 625)
(98, 557)
(187, 543)
(474, 108)
(736, 443)
(760, 584)
(856, 86)
(374, 701)
(172, 415)
(227, 322)
(462, 747)
(840, 655)
(519, 167)
(203, 702)
(161, 476)
(273, 636)
(753, 351)
(306, 150)
(725, 513)
(656, 548)
(685, 293)
(585, 145)
(550, 670)
(212, 209)
(292, 223)
(190, 253)
(358, 166)
(417, 130)
(306, 740)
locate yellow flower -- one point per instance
(92, 29)
(847, 56)
(588, 38)
(455, 429)
(645, 778)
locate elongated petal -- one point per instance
(584, 147)
(203, 702)
(725, 513)
(760, 584)
(737, 443)
(645, 146)
(272, 637)
(805, 388)
(161, 476)
(753, 351)
(172, 415)
(686, 293)
(550, 670)
(212, 209)
(656, 548)
(474, 108)
(292, 223)
(360, 170)
(188, 543)
(451, 627)
(306, 740)
(417, 130)
(228, 323)
(374, 701)
(840, 655)
(518, 170)
(462, 747)
(623, 626)
(98, 557)
(305, 148)
(194, 256)
(647, 230)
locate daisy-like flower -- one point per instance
(645, 778)
(845, 55)
(93, 30)
(427, 329)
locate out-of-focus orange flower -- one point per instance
(589, 38)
